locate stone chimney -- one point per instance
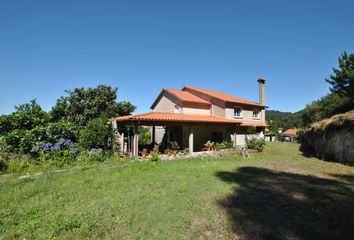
(261, 82)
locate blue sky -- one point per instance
(143, 46)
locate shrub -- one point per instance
(59, 154)
(209, 145)
(96, 135)
(96, 155)
(257, 144)
(154, 156)
(62, 130)
(223, 145)
(174, 145)
(13, 139)
(251, 130)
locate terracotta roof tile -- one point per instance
(174, 117)
(185, 96)
(254, 124)
(222, 96)
(290, 132)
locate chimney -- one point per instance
(261, 82)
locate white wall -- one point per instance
(196, 111)
(159, 132)
(165, 105)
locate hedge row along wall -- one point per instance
(331, 139)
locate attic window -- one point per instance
(238, 112)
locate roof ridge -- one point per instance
(198, 89)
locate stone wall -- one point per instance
(331, 139)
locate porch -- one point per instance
(191, 132)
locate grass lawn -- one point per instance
(277, 194)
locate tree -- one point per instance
(325, 107)
(20, 129)
(283, 119)
(342, 80)
(26, 117)
(124, 108)
(83, 105)
(96, 134)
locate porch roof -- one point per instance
(159, 118)
(253, 124)
(156, 118)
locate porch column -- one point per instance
(135, 142)
(122, 143)
(235, 138)
(153, 135)
(190, 140)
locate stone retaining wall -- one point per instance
(331, 139)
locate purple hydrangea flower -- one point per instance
(61, 141)
(74, 150)
(68, 143)
(46, 146)
(55, 147)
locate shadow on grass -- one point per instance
(267, 204)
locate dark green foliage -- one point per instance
(283, 119)
(251, 130)
(83, 105)
(124, 108)
(3, 155)
(96, 134)
(26, 116)
(29, 126)
(223, 145)
(13, 139)
(144, 136)
(257, 144)
(342, 81)
(325, 107)
(62, 130)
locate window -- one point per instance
(177, 109)
(237, 112)
(256, 113)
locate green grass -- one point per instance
(277, 194)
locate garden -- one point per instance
(77, 131)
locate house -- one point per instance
(192, 116)
(270, 136)
(291, 133)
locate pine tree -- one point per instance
(342, 80)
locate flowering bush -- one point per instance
(257, 144)
(60, 153)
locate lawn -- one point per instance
(277, 194)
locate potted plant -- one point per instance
(174, 147)
(209, 145)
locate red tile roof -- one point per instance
(254, 124)
(290, 132)
(222, 96)
(185, 96)
(174, 117)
